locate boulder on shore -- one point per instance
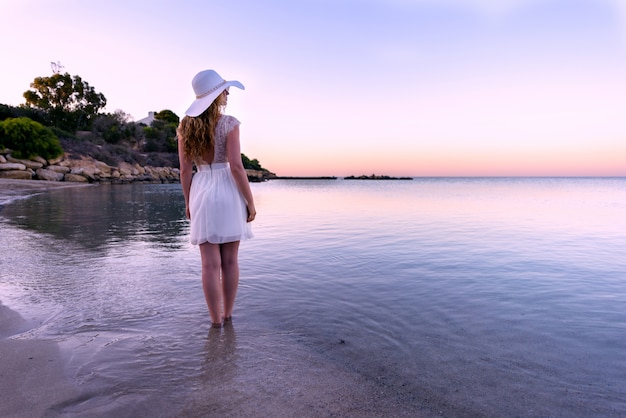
(12, 166)
(75, 178)
(34, 165)
(16, 175)
(49, 175)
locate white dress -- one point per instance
(217, 208)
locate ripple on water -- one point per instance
(480, 293)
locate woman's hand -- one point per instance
(187, 213)
(251, 213)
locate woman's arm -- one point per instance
(186, 170)
(233, 152)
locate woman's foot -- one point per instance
(217, 324)
(228, 319)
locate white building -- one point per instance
(148, 120)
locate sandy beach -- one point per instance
(32, 376)
(15, 188)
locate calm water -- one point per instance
(454, 297)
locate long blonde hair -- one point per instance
(198, 133)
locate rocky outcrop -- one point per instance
(256, 176)
(32, 164)
(376, 177)
(82, 169)
(88, 170)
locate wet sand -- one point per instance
(19, 188)
(289, 381)
(32, 372)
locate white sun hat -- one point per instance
(208, 85)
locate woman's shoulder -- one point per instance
(228, 122)
(229, 119)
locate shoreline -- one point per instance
(33, 376)
(11, 189)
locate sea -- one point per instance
(423, 297)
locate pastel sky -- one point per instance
(341, 87)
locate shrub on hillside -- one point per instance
(60, 133)
(115, 127)
(7, 111)
(162, 159)
(160, 137)
(251, 164)
(121, 153)
(27, 139)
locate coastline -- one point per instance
(32, 375)
(11, 189)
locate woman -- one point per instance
(218, 198)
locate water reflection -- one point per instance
(220, 361)
(574, 206)
(432, 287)
(105, 215)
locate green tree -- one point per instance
(7, 111)
(161, 134)
(167, 116)
(70, 102)
(114, 127)
(251, 164)
(27, 138)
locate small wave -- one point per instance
(7, 199)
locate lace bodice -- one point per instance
(224, 126)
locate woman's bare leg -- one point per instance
(211, 263)
(230, 276)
